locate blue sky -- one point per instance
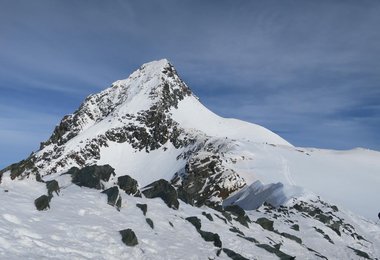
(307, 70)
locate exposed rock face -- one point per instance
(91, 176)
(128, 237)
(164, 190)
(204, 179)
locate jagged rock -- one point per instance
(239, 213)
(128, 237)
(143, 207)
(250, 239)
(113, 197)
(233, 255)
(360, 253)
(292, 237)
(210, 237)
(91, 176)
(195, 221)
(164, 190)
(325, 236)
(236, 230)
(235, 209)
(52, 186)
(208, 216)
(42, 202)
(150, 222)
(296, 227)
(21, 168)
(129, 185)
(265, 223)
(204, 177)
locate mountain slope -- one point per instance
(152, 128)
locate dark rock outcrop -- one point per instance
(42, 202)
(292, 237)
(211, 237)
(195, 221)
(129, 185)
(237, 211)
(233, 255)
(52, 186)
(265, 223)
(143, 207)
(208, 216)
(128, 237)
(91, 176)
(150, 222)
(113, 197)
(164, 190)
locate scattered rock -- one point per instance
(360, 253)
(227, 216)
(296, 227)
(292, 237)
(325, 236)
(128, 237)
(207, 215)
(195, 221)
(316, 253)
(241, 217)
(113, 197)
(42, 202)
(250, 239)
(265, 223)
(91, 176)
(52, 186)
(164, 190)
(236, 230)
(143, 207)
(129, 185)
(211, 237)
(150, 222)
(233, 255)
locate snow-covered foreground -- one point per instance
(80, 225)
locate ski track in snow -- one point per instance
(286, 172)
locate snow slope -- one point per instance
(80, 225)
(348, 178)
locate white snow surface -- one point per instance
(80, 225)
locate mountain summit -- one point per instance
(236, 189)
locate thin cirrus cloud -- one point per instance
(308, 70)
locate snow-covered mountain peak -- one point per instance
(149, 136)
